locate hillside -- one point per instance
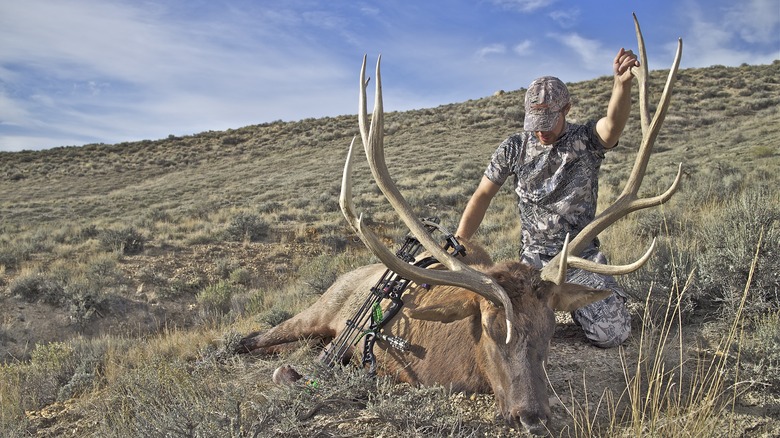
(132, 240)
(719, 115)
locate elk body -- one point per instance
(483, 327)
(457, 338)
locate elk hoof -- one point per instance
(247, 343)
(286, 375)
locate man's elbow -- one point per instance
(608, 133)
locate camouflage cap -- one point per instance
(544, 100)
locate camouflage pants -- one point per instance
(606, 323)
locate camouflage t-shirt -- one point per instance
(557, 185)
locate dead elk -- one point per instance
(483, 328)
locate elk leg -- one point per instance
(286, 336)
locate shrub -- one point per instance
(12, 254)
(335, 242)
(103, 271)
(88, 232)
(276, 316)
(246, 226)
(83, 378)
(34, 384)
(269, 207)
(126, 241)
(763, 151)
(165, 399)
(241, 276)
(729, 240)
(667, 272)
(224, 266)
(248, 303)
(38, 288)
(215, 298)
(762, 351)
(319, 273)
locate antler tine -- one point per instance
(650, 129)
(641, 73)
(363, 106)
(628, 201)
(459, 274)
(580, 263)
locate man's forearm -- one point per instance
(472, 217)
(611, 127)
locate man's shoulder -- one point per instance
(518, 137)
(514, 143)
(580, 128)
(583, 136)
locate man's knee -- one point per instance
(603, 340)
(606, 323)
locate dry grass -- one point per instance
(674, 388)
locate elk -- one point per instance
(483, 327)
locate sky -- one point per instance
(75, 72)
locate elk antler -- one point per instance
(459, 274)
(628, 201)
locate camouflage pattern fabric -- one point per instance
(556, 185)
(544, 100)
(606, 323)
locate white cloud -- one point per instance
(591, 52)
(11, 113)
(524, 5)
(756, 21)
(493, 49)
(714, 39)
(566, 18)
(100, 70)
(523, 48)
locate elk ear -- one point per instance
(449, 311)
(568, 297)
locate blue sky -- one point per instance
(74, 72)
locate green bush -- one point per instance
(215, 298)
(241, 276)
(84, 301)
(319, 273)
(255, 303)
(276, 316)
(34, 384)
(126, 241)
(38, 288)
(13, 253)
(729, 242)
(103, 271)
(246, 226)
